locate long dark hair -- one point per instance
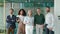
(24, 13)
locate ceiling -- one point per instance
(1, 1)
(32, 1)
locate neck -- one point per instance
(21, 15)
(29, 15)
(11, 14)
(48, 12)
(38, 13)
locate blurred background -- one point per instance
(19, 4)
(28, 4)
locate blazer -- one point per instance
(11, 21)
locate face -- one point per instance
(11, 11)
(47, 9)
(38, 10)
(21, 13)
(29, 12)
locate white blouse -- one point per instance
(29, 21)
(49, 19)
(21, 18)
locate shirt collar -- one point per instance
(38, 15)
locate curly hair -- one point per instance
(24, 13)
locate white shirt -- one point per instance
(49, 19)
(29, 21)
(10, 15)
(21, 17)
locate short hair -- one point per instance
(24, 13)
(47, 7)
(12, 9)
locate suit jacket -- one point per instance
(11, 21)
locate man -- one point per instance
(11, 20)
(49, 19)
(39, 20)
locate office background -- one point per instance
(25, 4)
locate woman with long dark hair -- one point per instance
(21, 26)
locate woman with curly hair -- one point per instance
(21, 26)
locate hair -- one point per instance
(48, 7)
(28, 11)
(24, 13)
(11, 9)
(38, 8)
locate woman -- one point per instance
(29, 21)
(21, 26)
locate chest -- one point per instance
(30, 19)
(39, 17)
(12, 17)
(21, 18)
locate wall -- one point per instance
(1, 19)
(18, 6)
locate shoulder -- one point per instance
(32, 17)
(14, 15)
(42, 14)
(8, 15)
(35, 15)
(26, 17)
(17, 16)
(50, 14)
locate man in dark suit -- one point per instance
(11, 20)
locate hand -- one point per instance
(42, 26)
(50, 28)
(18, 20)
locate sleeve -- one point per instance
(52, 25)
(17, 16)
(25, 20)
(34, 20)
(14, 20)
(43, 19)
(8, 20)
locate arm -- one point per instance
(52, 25)
(34, 20)
(14, 19)
(18, 19)
(25, 20)
(43, 19)
(8, 20)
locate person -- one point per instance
(39, 20)
(21, 25)
(11, 20)
(29, 21)
(49, 20)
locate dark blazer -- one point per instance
(11, 21)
